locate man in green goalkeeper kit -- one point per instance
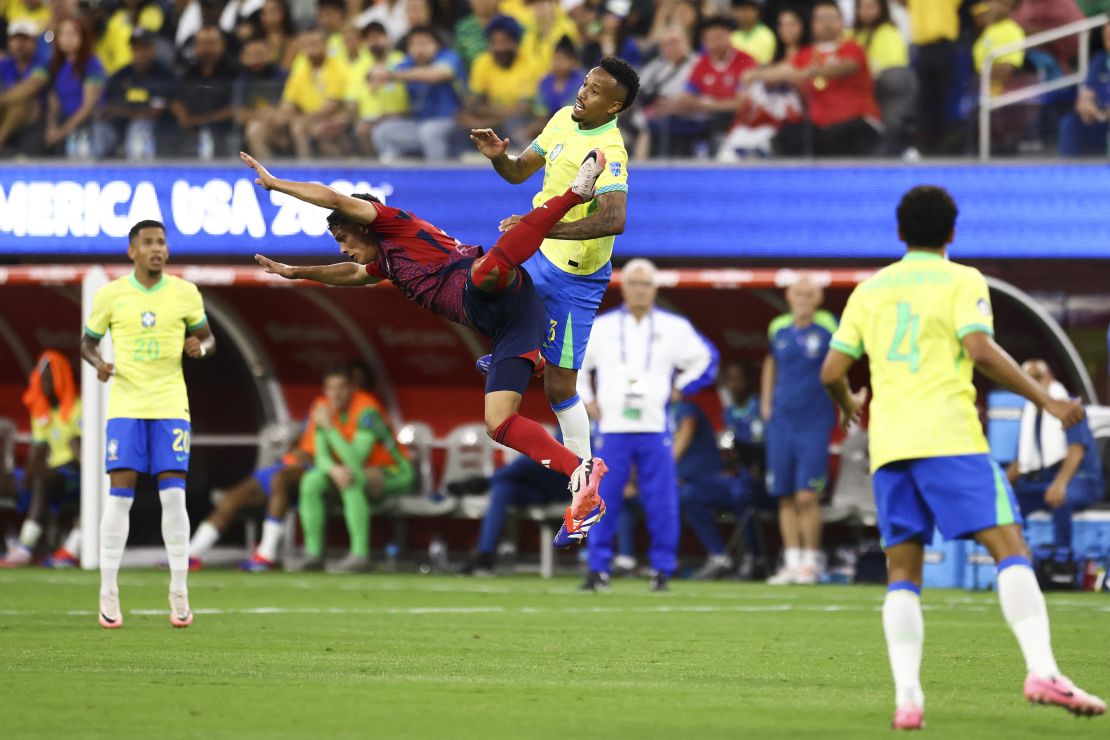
(355, 454)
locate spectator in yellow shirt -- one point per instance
(935, 27)
(503, 82)
(37, 11)
(367, 103)
(311, 106)
(751, 36)
(895, 83)
(546, 28)
(114, 46)
(999, 30)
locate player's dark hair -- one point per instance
(336, 4)
(625, 76)
(927, 217)
(338, 218)
(148, 223)
(716, 21)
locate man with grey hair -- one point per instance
(799, 418)
(642, 356)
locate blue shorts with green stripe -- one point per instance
(958, 494)
(571, 302)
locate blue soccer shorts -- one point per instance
(148, 445)
(797, 458)
(958, 494)
(265, 477)
(571, 302)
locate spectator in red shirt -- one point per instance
(714, 87)
(833, 77)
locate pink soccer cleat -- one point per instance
(111, 618)
(1061, 692)
(586, 507)
(180, 613)
(908, 717)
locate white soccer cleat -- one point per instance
(111, 618)
(180, 613)
(586, 179)
(784, 577)
(806, 576)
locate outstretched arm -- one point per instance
(312, 192)
(513, 169)
(341, 273)
(996, 364)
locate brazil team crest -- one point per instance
(113, 450)
(556, 152)
(615, 169)
(148, 319)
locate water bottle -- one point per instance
(1091, 561)
(437, 555)
(206, 143)
(391, 553)
(140, 145)
(78, 145)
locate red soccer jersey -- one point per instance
(833, 101)
(719, 81)
(426, 264)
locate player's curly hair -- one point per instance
(625, 76)
(927, 217)
(338, 218)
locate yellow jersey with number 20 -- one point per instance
(148, 328)
(563, 146)
(909, 318)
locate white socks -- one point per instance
(115, 523)
(904, 628)
(29, 534)
(574, 422)
(1024, 609)
(272, 530)
(203, 539)
(175, 530)
(792, 558)
(72, 545)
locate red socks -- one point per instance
(527, 437)
(520, 242)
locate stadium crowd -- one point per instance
(408, 78)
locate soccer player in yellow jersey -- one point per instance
(924, 323)
(153, 318)
(571, 270)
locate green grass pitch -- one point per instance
(442, 657)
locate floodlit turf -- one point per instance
(418, 656)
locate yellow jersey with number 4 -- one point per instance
(148, 328)
(910, 318)
(563, 146)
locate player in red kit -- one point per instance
(489, 292)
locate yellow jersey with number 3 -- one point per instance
(563, 146)
(909, 319)
(148, 328)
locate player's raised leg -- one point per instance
(1023, 606)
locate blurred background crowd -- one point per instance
(391, 79)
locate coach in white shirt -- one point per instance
(640, 355)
